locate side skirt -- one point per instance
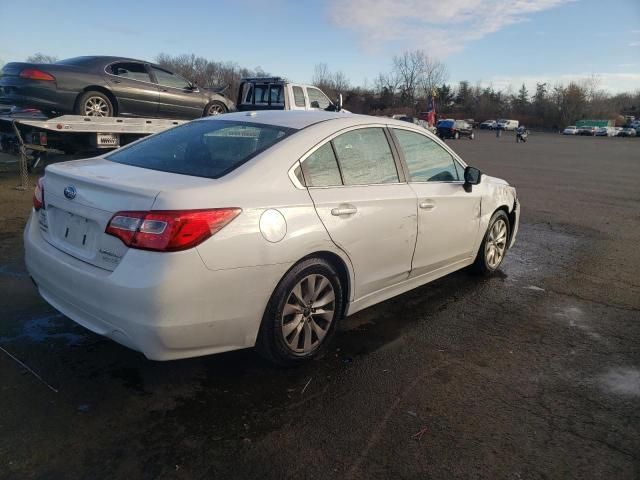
(404, 286)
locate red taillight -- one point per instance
(169, 230)
(35, 74)
(38, 194)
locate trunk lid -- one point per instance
(82, 196)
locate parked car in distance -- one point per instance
(176, 246)
(488, 125)
(455, 129)
(410, 119)
(570, 130)
(108, 87)
(587, 130)
(471, 122)
(602, 132)
(275, 93)
(627, 132)
(504, 124)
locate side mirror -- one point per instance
(339, 103)
(472, 177)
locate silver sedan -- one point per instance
(259, 229)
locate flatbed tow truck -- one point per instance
(35, 138)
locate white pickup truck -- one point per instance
(275, 93)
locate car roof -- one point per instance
(99, 59)
(298, 119)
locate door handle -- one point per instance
(426, 205)
(344, 210)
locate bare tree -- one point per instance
(321, 76)
(206, 72)
(409, 68)
(434, 73)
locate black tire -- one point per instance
(456, 136)
(271, 342)
(102, 105)
(472, 136)
(214, 108)
(481, 265)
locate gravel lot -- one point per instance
(532, 374)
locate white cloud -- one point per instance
(634, 44)
(438, 26)
(608, 81)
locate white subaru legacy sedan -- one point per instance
(258, 229)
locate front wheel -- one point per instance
(301, 315)
(472, 136)
(494, 245)
(94, 104)
(456, 136)
(215, 108)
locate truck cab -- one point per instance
(275, 93)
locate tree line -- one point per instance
(413, 77)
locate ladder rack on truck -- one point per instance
(31, 137)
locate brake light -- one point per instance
(38, 194)
(169, 230)
(35, 74)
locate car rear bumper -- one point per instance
(165, 305)
(40, 95)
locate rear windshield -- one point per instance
(77, 61)
(208, 148)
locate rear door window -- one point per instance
(132, 71)
(202, 148)
(365, 157)
(320, 169)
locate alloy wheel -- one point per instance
(496, 244)
(215, 110)
(308, 314)
(96, 107)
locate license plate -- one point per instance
(76, 231)
(107, 140)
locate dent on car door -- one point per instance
(448, 215)
(355, 186)
(131, 84)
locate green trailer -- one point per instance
(595, 123)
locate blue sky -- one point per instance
(502, 42)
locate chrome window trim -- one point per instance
(294, 178)
(330, 138)
(197, 90)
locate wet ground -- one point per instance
(531, 374)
